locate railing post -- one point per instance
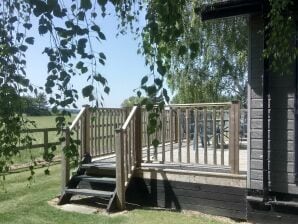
(138, 137)
(176, 126)
(65, 169)
(234, 123)
(46, 141)
(86, 131)
(120, 178)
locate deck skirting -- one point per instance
(192, 176)
(222, 194)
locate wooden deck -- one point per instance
(200, 166)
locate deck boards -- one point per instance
(192, 165)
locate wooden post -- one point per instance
(222, 137)
(120, 175)
(205, 136)
(234, 122)
(176, 126)
(179, 123)
(196, 137)
(163, 135)
(171, 135)
(86, 131)
(214, 133)
(187, 121)
(46, 141)
(65, 169)
(138, 136)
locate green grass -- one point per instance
(23, 204)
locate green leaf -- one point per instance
(80, 65)
(144, 80)
(27, 26)
(102, 2)
(42, 29)
(102, 55)
(107, 90)
(30, 40)
(86, 4)
(100, 79)
(101, 36)
(155, 143)
(84, 70)
(23, 48)
(87, 90)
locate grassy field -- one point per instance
(41, 122)
(23, 204)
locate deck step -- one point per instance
(89, 192)
(103, 166)
(105, 180)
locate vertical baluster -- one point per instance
(107, 131)
(91, 133)
(129, 146)
(120, 171)
(155, 148)
(195, 136)
(103, 131)
(148, 147)
(214, 133)
(163, 136)
(99, 131)
(111, 130)
(125, 155)
(222, 137)
(171, 135)
(114, 129)
(205, 136)
(187, 121)
(96, 133)
(179, 124)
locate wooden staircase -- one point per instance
(102, 179)
(97, 180)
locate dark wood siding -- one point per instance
(281, 120)
(211, 199)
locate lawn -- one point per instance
(23, 204)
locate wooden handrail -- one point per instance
(200, 105)
(129, 118)
(77, 119)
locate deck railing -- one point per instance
(206, 133)
(95, 131)
(128, 148)
(186, 127)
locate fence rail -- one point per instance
(45, 140)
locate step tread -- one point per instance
(89, 192)
(103, 166)
(88, 178)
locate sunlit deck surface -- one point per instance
(192, 165)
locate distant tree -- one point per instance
(41, 101)
(131, 101)
(35, 106)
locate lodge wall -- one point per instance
(281, 119)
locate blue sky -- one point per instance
(124, 67)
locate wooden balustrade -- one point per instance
(95, 129)
(128, 148)
(206, 133)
